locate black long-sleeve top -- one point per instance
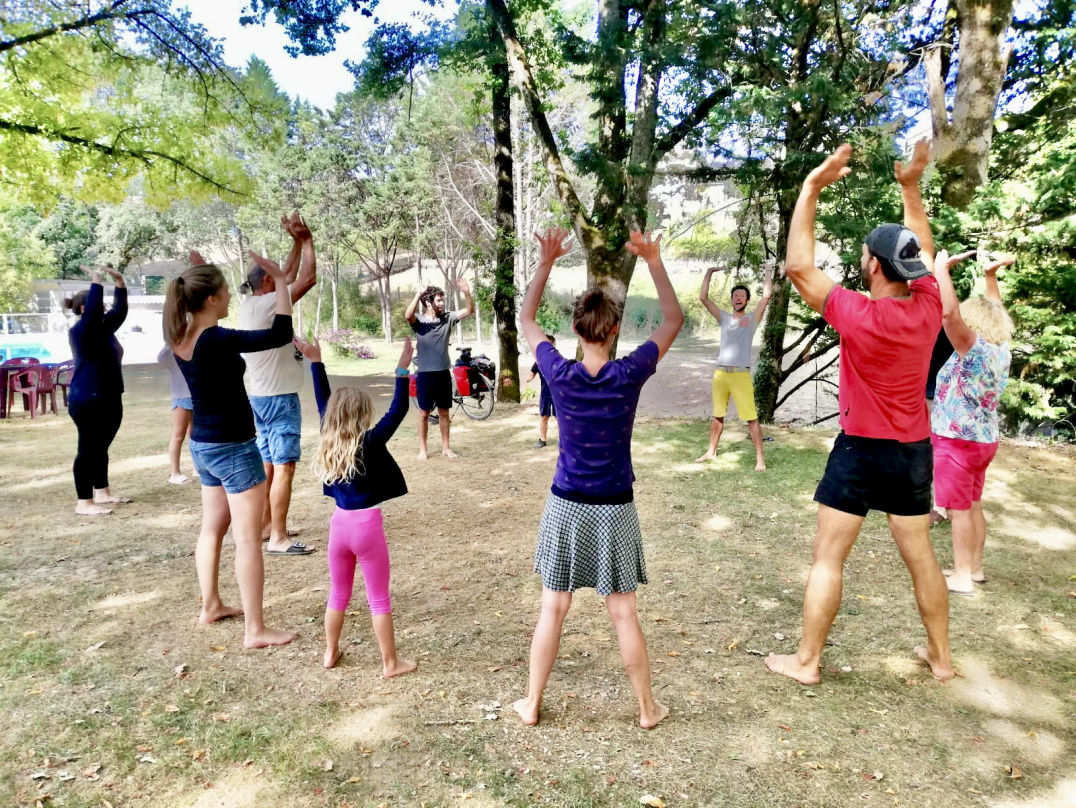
(98, 354)
(381, 478)
(214, 374)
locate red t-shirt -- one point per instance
(885, 356)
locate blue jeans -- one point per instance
(279, 421)
(236, 466)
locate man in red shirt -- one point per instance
(882, 458)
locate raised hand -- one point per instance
(272, 268)
(461, 284)
(644, 245)
(93, 272)
(833, 168)
(196, 259)
(311, 350)
(910, 174)
(946, 262)
(553, 244)
(1002, 261)
(712, 270)
(407, 352)
(296, 227)
(116, 277)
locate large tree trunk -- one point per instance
(962, 145)
(504, 279)
(384, 294)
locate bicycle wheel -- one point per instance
(479, 404)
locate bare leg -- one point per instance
(279, 505)
(912, 534)
(964, 541)
(543, 427)
(979, 519)
(181, 422)
(717, 426)
(267, 509)
(629, 635)
(445, 424)
(246, 508)
(837, 532)
(215, 520)
(755, 429)
(544, 647)
(87, 507)
(334, 624)
(423, 430)
(391, 665)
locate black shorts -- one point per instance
(433, 388)
(864, 474)
(545, 406)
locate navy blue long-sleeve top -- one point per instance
(381, 478)
(98, 354)
(214, 374)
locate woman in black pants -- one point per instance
(95, 399)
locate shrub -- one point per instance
(348, 344)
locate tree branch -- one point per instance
(681, 130)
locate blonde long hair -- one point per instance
(348, 415)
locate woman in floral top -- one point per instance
(964, 421)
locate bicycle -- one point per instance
(472, 386)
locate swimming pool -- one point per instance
(50, 347)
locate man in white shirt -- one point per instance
(733, 374)
(275, 377)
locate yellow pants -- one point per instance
(739, 386)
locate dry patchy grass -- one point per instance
(112, 694)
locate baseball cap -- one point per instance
(900, 247)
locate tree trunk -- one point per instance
(963, 144)
(504, 278)
(384, 293)
(768, 374)
(336, 301)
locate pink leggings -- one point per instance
(358, 536)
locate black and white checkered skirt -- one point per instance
(581, 545)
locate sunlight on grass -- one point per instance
(238, 789)
(126, 601)
(717, 522)
(1033, 745)
(980, 688)
(365, 727)
(1049, 537)
(125, 466)
(1062, 795)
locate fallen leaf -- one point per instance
(171, 708)
(785, 727)
(732, 646)
(147, 759)
(1014, 772)
(181, 671)
(224, 718)
(90, 772)
(674, 653)
(494, 669)
(652, 801)
(217, 648)
(198, 754)
(777, 635)
(354, 780)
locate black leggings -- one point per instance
(98, 421)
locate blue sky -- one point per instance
(315, 78)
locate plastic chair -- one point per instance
(10, 366)
(46, 388)
(26, 382)
(61, 377)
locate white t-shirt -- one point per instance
(736, 334)
(274, 372)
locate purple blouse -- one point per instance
(595, 417)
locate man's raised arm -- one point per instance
(915, 215)
(308, 266)
(767, 293)
(811, 282)
(704, 293)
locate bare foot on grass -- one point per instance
(527, 712)
(943, 673)
(448, 453)
(398, 668)
(704, 457)
(331, 657)
(267, 637)
(760, 466)
(220, 612)
(112, 499)
(91, 510)
(652, 718)
(789, 665)
(422, 454)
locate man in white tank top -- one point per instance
(733, 374)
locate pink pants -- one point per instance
(358, 536)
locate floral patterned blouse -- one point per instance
(969, 388)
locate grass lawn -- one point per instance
(111, 694)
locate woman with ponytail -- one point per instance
(589, 534)
(95, 401)
(222, 433)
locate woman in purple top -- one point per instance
(589, 534)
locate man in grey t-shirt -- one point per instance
(733, 374)
(433, 383)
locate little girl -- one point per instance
(356, 469)
(589, 534)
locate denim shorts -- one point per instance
(236, 466)
(279, 421)
(864, 474)
(183, 404)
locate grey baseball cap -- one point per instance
(900, 247)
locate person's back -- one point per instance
(275, 371)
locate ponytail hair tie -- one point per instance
(180, 281)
